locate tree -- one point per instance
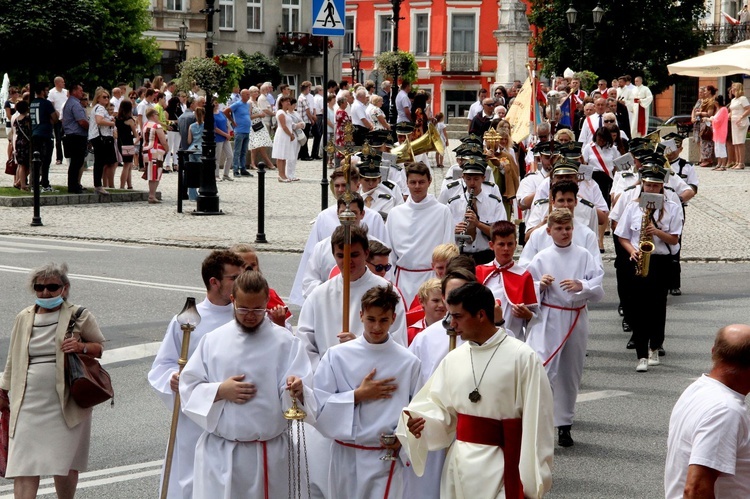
(259, 68)
(402, 62)
(639, 37)
(94, 42)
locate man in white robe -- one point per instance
(414, 229)
(565, 195)
(642, 99)
(360, 388)
(236, 387)
(325, 223)
(568, 279)
(501, 440)
(219, 270)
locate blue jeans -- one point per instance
(241, 142)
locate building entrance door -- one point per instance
(458, 102)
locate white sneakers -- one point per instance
(653, 357)
(642, 366)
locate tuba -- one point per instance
(428, 142)
(645, 244)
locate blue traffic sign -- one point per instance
(328, 17)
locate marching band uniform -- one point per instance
(523, 467)
(356, 467)
(414, 229)
(242, 451)
(164, 366)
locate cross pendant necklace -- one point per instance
(475, 396)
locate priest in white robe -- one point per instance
(495, 417)
(236, 387)
(360, 388)
(642, 99)
(219, 271)
(325, 223)
(568, 279)
(414, 229)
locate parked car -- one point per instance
(682, 122)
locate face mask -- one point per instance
(50, 303)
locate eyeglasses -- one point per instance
(609, 121)
(258, 312)
(498, 93)
(52, 287)
(380, 267)
(490, 105)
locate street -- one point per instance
(622, 416)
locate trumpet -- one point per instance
(463, 238)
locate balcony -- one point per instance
(726, 34)
(299, 44)
(461, 62)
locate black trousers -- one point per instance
(604, 182)
(303, 153)
(624, 274)
(317, 132)
(43, 145)
(360, 134)
(675, 282)
(75, 150)
(648, 308)
(58, 141)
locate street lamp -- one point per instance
(572, 16)
(354, 62)
(394, 88)
(182, 41)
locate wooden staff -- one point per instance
(188, 323)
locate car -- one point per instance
(654, 123)
(683, 123)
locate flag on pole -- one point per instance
(565, 113)
(730, 19)
(520, 113)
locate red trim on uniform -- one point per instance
(364, 447)
(577, 310)
(601, 160)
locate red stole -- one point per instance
(519, 288)
(641, 127)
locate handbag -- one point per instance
(257, 127)
(4, 433)
(11, 166)
(89, 383)
(128, 150)
(707, 133)
(301, 137)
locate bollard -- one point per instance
(260, 238)
(36, 166)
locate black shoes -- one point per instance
(662, 353)
(246, 173)
(631, 344)
(675, 292)
(563, 437)
(626, 327)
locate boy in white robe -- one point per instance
(360, 388)
(414, 229)
(489, 401)
(568, 279)
(219, 270)
(236, 387)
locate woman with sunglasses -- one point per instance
(49, 433)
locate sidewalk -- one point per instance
(717, 226)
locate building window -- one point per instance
(422, 23)
(316, 80)
(290, 13)
(178, 5)
(254, 15)
(349, 35)
(385, 37)
(463, 32)
(226, 14)
(290, 80)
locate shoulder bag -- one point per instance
(88, 381)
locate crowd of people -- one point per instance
(422, 265)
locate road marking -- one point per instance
(50, 247)
(74, 241)
(114, 280)
(603, 394)
(82, 484)
(130, 353)
(18, 250)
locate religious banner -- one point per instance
(519, 114)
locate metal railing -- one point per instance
(726, 34)
(461, 62)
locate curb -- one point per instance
(63, 199)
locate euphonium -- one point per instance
(428, 142)
(645, 245)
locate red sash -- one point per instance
(519, 288)
(641, 128)
(362, 447)
(599, 157)
(591, 127)
(577, 310)
(503, 433)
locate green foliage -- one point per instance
(259, 68)
(403, 62)
(588, 80)
(94, 42)
(639, 37)
(215, 76)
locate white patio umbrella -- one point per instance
(734, 59)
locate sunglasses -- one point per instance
(51, 287)
(609, 121)
(380, 267)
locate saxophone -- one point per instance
(645, 244)
(463, 238)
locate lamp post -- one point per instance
(395, 87)
(572, 16)
(182, 41)
(354, 62)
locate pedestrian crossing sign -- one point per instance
(328, 17)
